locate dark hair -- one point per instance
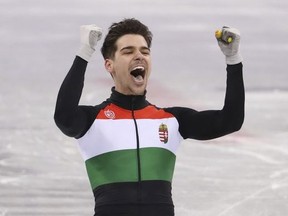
(117, 30)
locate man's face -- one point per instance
(131, 65)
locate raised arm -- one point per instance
(215, 123)
(69, 116)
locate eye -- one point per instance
(146, 52)
(128, 52)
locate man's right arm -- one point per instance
(71, 118)
(68, 116)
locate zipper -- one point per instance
(139, 194)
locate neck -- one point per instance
(125, 101)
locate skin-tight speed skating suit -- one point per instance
(129, 145)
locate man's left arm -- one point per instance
(211, 124)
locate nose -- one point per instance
(138, 55)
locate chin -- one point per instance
(139, 91)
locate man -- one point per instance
(129, 145)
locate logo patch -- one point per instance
(109, 114)
(163, 133)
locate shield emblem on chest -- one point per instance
(163, 133)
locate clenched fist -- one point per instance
(230, 48)
(89, 35)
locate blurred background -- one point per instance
(41, 170)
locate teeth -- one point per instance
(138, 68)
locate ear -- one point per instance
(109, 65)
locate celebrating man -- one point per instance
(129, 145)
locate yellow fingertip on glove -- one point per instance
(218, 35)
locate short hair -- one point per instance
(117, 30)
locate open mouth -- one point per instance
(138, 73)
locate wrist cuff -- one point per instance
(85, 52)
(235, 59)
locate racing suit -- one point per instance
(129, 145)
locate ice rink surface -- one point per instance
(243, 174)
